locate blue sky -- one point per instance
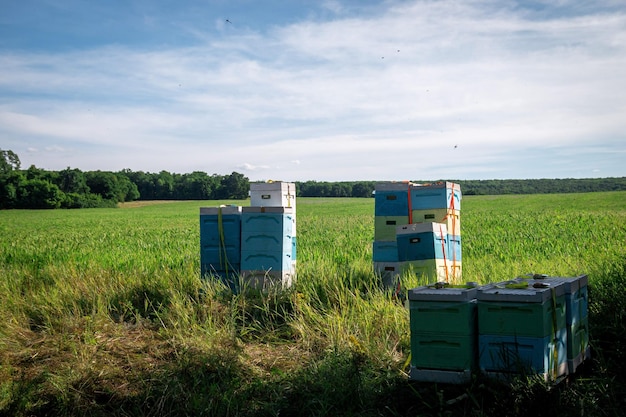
(317, 90)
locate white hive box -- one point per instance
(273, 194)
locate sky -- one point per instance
(321, 90)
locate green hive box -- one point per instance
(529, 311)
(446, 310)
(454, 353)
(443, 333)
(385, 226)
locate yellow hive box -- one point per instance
(451, 218)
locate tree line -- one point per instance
(73, 188)
(472, 187)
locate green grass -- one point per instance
(103, 312)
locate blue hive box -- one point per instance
(503, 356)
(385, 251)
(421, 241)
(266, 239)
(220, 223)
(391, 199)
(220, 242)
(436, 195)
(522, 329)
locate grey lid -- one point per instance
(272, 186)
(264, 209)
(432, 293)
(224, 209)
(530, 294)
(392, 186)
(571, 284)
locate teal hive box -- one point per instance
(385, 226)
(421, 241)
(220, 243)
(267, 230)
(219, 224)
(385, 251)
(271, 220)
(443, 352)
(391, 199)
(220, 257)
(447, 310)
(529, 311)
(267, 260)
(436, 195)
(502, 356)
(443, 333)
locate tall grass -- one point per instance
(103, 313)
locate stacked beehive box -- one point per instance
(443, 333)
(220, 243)
(411, 222)
(525, 327)
(576, 314)
(522, 329)
(253, 246)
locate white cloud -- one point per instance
(489, 77)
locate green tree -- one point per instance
(362, 189)
(104, 184)
(9, 161)
(126, 189)
(39, 194)
(164, 185)
(72, 181)
(234, 186)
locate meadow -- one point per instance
(103, 312)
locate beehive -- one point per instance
(389, 273)
(391, 199)
(437, 195)
(421, 241)
(385, 227)
(522, 329)
(431, 270)
(401, 205)
(276, 194)
(220, 243)
(504, 356)
(451, 218)
(273, 194)
(576, 314)
(385, 251)
(266, 245)
(443, 333)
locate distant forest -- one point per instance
(72, 188)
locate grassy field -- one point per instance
(103, 312)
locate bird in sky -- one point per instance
(228, 21)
